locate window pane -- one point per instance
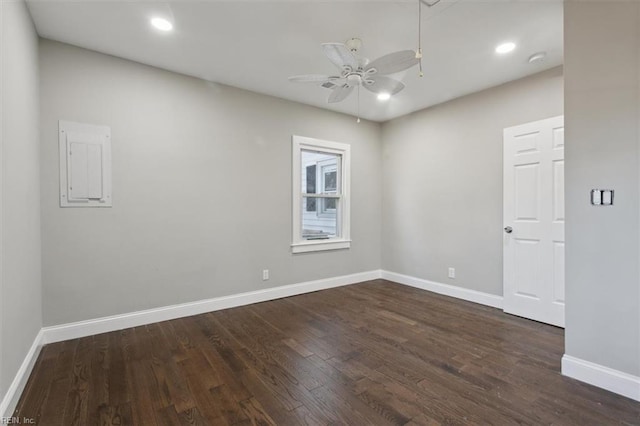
(311, 205)
(330, 178)
(328, 204)
(319, 172)
(310, 186)
(320, 224)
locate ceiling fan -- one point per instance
(356, 71)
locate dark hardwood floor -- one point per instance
(374, 353)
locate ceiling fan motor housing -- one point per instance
(354, 78)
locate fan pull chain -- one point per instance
(358, 120)
(419, 52)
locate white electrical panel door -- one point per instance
(85, 165)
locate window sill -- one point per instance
(309, 246)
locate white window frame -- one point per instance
(321, 211)
(343, 218)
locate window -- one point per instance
(320, 195)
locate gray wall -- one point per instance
(442, 182)
(201, 189)
(21, 287)
(602, 127)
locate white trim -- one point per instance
(318, 245)
(446, 289)
(343, 239)
(91, 327)
(11, 398)
(75, 330)
(603, 377)
(594, 374)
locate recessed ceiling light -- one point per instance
(162, 24)
(505, 47)
(384, 96)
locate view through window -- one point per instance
(321, 199)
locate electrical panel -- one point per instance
(85, 165)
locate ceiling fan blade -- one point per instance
(338, 81)
(311, 78)
(339, 93)
(394, 62)
(340, 55)
(382, 84)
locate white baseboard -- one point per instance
(446, 289)
(10, 400)
(118, 322)
(603, 377)
(79, 329)
(91, 327)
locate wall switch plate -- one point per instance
(452, 272)
(265, 274)
(602, 197)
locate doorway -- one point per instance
(533, 217)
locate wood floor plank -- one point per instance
(256, 412)
(36, 391)
(231, 409)
(374, 353)
(298, 347)
(77, 400)
(168, 416)
(99, 386)
(119, 415)
(172, 339)
(280, 382)
(201, 378)
(143, 409)
(228, 376)
(192, 417)
(60, 384)
(118, 386)
(167, 378)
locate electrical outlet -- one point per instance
(452, 272)
(265, 275)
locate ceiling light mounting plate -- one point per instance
(353, 44)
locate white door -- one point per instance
(533, 203)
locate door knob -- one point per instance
(508, 229)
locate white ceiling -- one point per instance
(257, 44)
